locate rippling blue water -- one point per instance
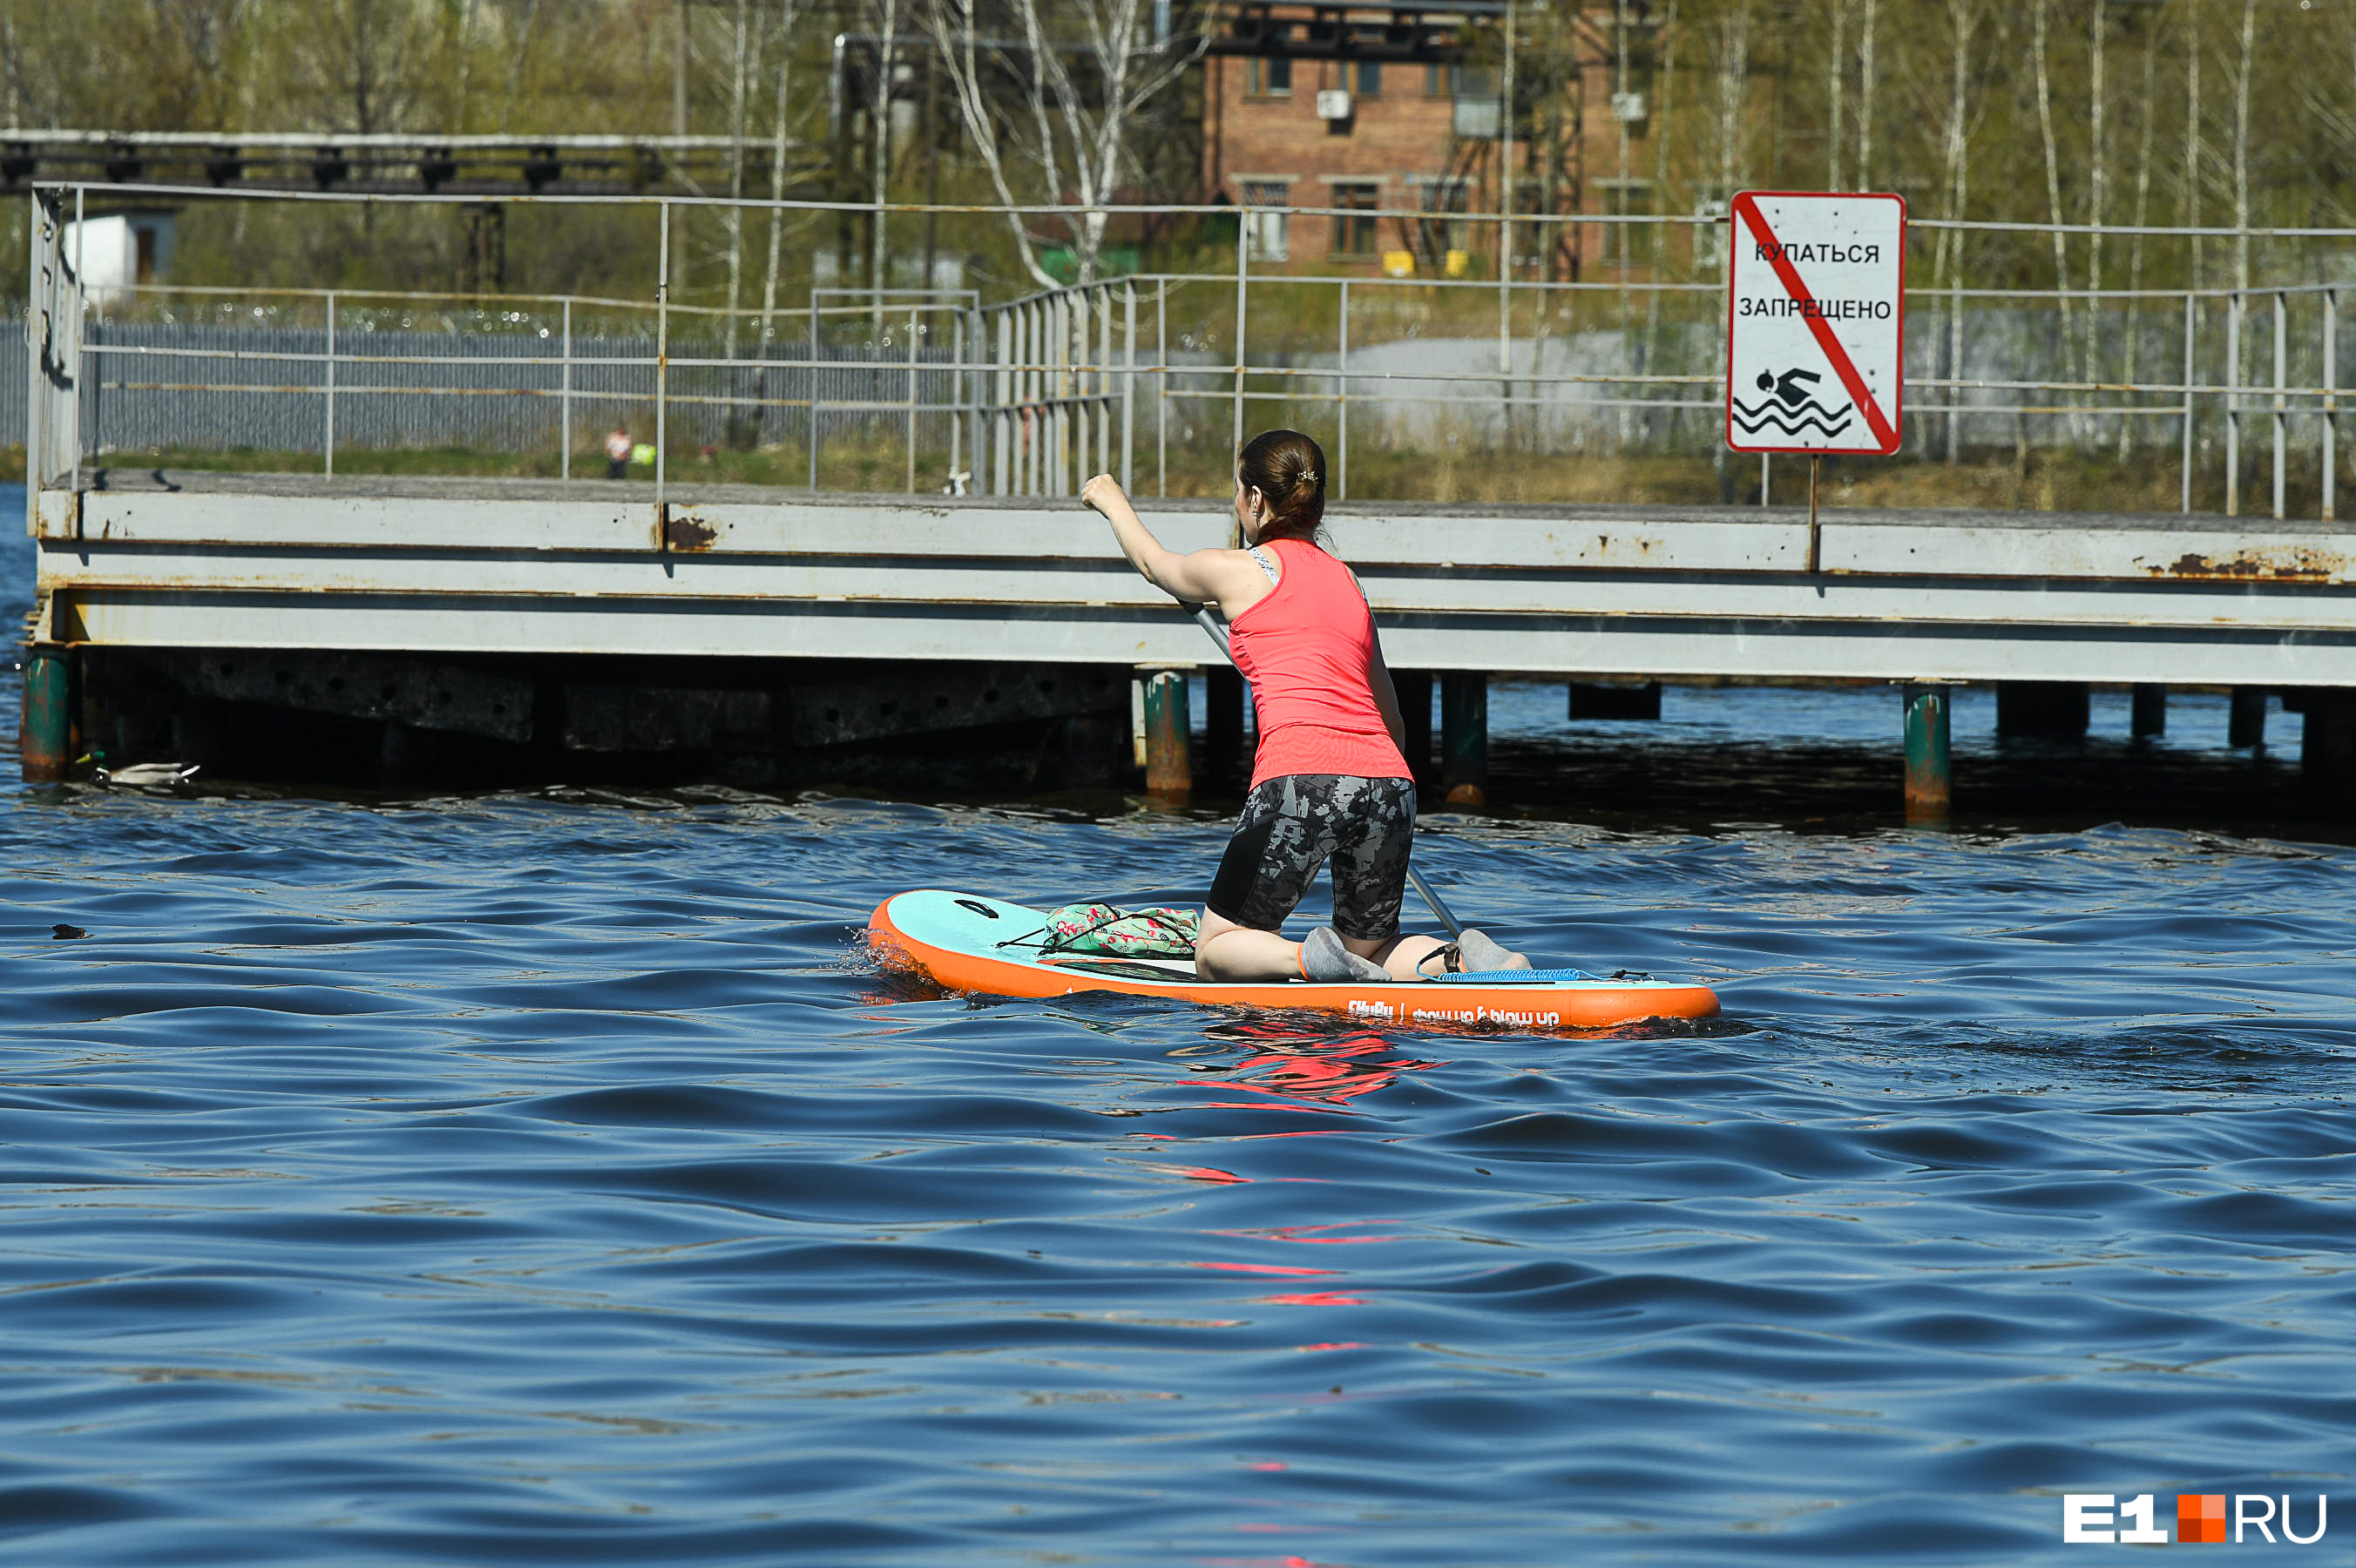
(552, 1179)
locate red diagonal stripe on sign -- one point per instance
(1842, 365)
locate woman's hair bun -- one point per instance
(1284, 465)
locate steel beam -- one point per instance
(1651, 592)
(1908, 544)
(1534, 644)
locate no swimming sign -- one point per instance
(1816, 340)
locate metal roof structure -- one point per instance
(383, 164)
(1387, 30)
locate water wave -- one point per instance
(524, 1179)
(546, 1179)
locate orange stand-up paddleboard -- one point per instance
(968, 942)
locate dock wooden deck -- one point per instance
(475, 566)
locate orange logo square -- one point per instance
(2200, 1516)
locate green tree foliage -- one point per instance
(2136, 112)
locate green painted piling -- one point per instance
(1169, 771)
(1464, 737)
(1927, 761)
(46, 740)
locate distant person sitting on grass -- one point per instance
(617, 453)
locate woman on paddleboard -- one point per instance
(1330, 780)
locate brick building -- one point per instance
(1398, 106)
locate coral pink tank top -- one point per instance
(1308, 649)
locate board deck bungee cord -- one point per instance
(968, 942)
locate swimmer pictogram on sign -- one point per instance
(1816, 322)
(1788, 404)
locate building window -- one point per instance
(1362, 79)
(1458, 80)
(1268, 78)
(1353, 227)
(1264, 231)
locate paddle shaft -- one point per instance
(1209, 622)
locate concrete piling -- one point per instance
(2245, 723)
(1414, 689)
(1223, 722)
(47, 740)
(2041, 710)
(1615, 699)
(1169, 771)
(2328, 747)
(1464, 737)
(2149, 716)
(1928, 769)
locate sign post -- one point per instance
(1816, 340)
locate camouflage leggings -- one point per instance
(1290, 825)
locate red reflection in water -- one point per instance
(1304, 1234)
(1316, 1299)
(1319, 1066)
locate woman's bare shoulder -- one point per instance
(1227, 562)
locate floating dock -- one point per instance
(235, 586)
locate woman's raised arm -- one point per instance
(1200, 577)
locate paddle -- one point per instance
(1209, 622)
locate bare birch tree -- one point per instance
(1666, 69)
(747, 60)
(2189, 207)
(2145, 120)
(1733, 84)
(2043, 59)
(2241, 145)
(1051, 110)
(885, 17)
(361, 65)
(1835, 79)
(1963, 18)
(786, 12)
(519, 55)
(1865, 99)
(2096, 159)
